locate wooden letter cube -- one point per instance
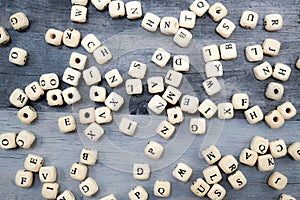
(157, 104)
(162, 188)
(114, 101)
(207, 108)
(127, 126)
(109, 197)
(47, 174)
(141, 171)
(18, 98)
(49, 81)
(54, 37)
(225, 111)
(137, 70)
(287, 110)
(175, 115)
(169, 25)
(189, 104)
(66, 195)
(103, 115)
(134, 86)
(116, 9)
(278, 148)
(138, 193)
(298, 63)
(77, 60)
(249, 19)
(100, 5)
(66, 124)
(199, 187)
(197, 125)
(212, 174)
(154, 150)
(155, 84)
(172, 95)
(294, 151)
(19, 21)
(263, 71)
(273, 22)
(199, 7)
(213, 69)
(18, 56)
(211, 86)
(8, 140)
(113, 78)
(217, 11)
(211, 154)
(71, 76)
(225, 29)
(90, 43)
(79, 2)
(165, 129)
(228, 51)
(4, 36)
(237, 180)
(97, 93)
(274, 91)
(71, 38)
(271, 47)
(94, 131)
(210, 53)
(25, 139)
(54, 97)
(265, 163)
(277, 181)
(281, 72)
(259, 144)
(228, 164)
(150, 22)
(173, 78)
(33, 162)
(87, 115)
(102, 55)
(91, 75)
(27, 114)
(286, 197)
(274, 119)
(216, 192)
(88, 156)
(181, 63)
(248, 157)
(71, 95)
(187, 19)
(254, 53)
(240, 101)
(24, 178)
(34, 91)
(78, 171)
(133, 9)
(78, 14)
(182, 172)
(88, 187)
(161, 57)
(254, 114)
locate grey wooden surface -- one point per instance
(118, 152)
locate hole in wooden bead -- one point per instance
(175, 116)
(25, 115)
(70, 95)
(54, 97)
(276, 91)
(86, 115)
(275, 119)
(96, 94)
(218, 10)
(52, 36)
(288, 110)
(77, 60)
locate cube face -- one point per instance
(27, 115)
(228, 164)
(207, 108)
(109, 197)
(114, 101)
(71, 95)
(240, 101)
(102, 55)
(4, 36)
(199, 187)
(248, 157)
(169, 25)
(211, 53)
(254, 114)
(141, 171)
(259, 144)
(287, 110)
(278, 148)
(77, 60)
(97, 93)
(165, 129)
(137, 70)
(154, 150)
(181, 63)
(100, 5)
(286, 197)
(19, 21)
(150, 22)
(79, 2)
(91, 75)
(88, 187)
(263, 71)
(228, 51)
(265, 163)
(103, 115)
(18, 98)
(138, 193)
(49, 81)
(161, 57)
(211, 86)
(182, 172)
(71, 76)
(54, 37)
(175, 115)
(134, 86)
(116, 9)
(213, 69)
(78, 14)
(67, 195)
(274, 119)
(274, 91)
(271, 47)
(273, 22)
(187, 19)
(211, 154)
(277, 181)
(88, 156)
(171, 95)
(71, 38)
(225, 29)
(173, 78)
(212, 174)
(127, 126)
(25, 139)
(54, 97)
(216, 192)
(66, 124)
(217, 11)
(90, 43)
(199, 7)
(78, 171)
(8, 140)
(94, 131)
(237, 180)
(155, 84)
(281, 72)
(254, 53)
(162, 188)
(47, 174)
(225, 111)
(113, 78)
(157, 104)
(294, 150)
(133, 10)
(50, 190)
(189, 104)
(197, 125)
(249, 19)
(34, 91)
(24, 178)
(18, 56)
(33, 162)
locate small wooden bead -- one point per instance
(103, 115)
(141, 171)
(182, 37)
(113, 78)
(249, 19)
(54, 97)
(187, 19)
(19, 21)
(127, 126)
(199, 7)
(100, 5)
(8, 140)
(49, 81)
(133, 9)
(287, 110)
(34, 91)
(155, 84)
(263, 71)
(240, 101)
(237, 180)
(91, 75)
(18, 56)
(225, 111)
(54, 37)
(88, 156)
(208, 108)
(137, 70)
(254, 53)
(33, 162)
(161, 57)
(18, 98)
(271, 47)
(213, 69)
(286, 197)
(4, 36)
(24, 178)
(134, 86)
(248, 157)
(66, 124)
(175, 115)
(216, 192)
(165, 129)
(97, 93)
(278, 148)
(71, 76)
(173, 78)
(154, 150)
(27, 114)
(281, 72)
(109, 197)
(182, 172)
(265, 163)
(181, 63)
(47, 174)
(71, 38)
(212, 174)
(25, 139)
(294, 151)
(274, 91)
(189, 104)
(228, 51)
(102, 55)
(78, 171)
(273, 22)
(225, 29)
(169, 25)
(88, 187)
(254, 114)
(274, 119)
(228, 164)
(77, 60)
(197, 125)
(87, 115)
(150, 22)
(199, 187)
(298, 63)
(211, 86)
(277, 181)
(71, 95)
(116, 9)
(114, 101)
(172, 95)
(90, 43)
(217, 11)
(259, 144)
(94, 131)
(66, 195)
(211, 154)
(162, 188)
(78, 14)
(211, 53)
(138, 193)
(79, 2)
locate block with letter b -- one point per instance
(88, 156)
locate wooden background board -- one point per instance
(118, 152)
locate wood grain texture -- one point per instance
(118, 152)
